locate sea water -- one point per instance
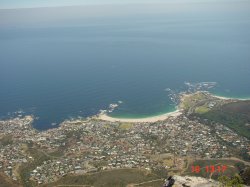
(67, 62)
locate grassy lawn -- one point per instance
(201, 109)
(126, 126)
(113, 178)
(157, 183)
(191, 100)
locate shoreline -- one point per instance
(229, 98)
(105, 117)
(161, 117)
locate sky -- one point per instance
(6, 4)
(13, 4)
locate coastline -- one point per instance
(105, 117)
(229, 98)
(162, 117)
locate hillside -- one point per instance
(235, 115)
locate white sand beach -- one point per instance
(229, 98)
(105, 117)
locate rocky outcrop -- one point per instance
(188, 181)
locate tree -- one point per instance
(240, 165)
(245, 175)
(235, 181)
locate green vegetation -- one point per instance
(245, 175)
(156, 183)
(58, 153)
(160, 172)
(107, 126)
(190, 100)
(201, 109)
(125, 126)
(6, 140)
(244, 153)
(113, 178)
(99, 164)
(6, 181)
(234, 115)
(235, 181)
(39, 157)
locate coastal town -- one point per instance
(124, 93)
(78, 146)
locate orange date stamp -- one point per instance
(209, 169)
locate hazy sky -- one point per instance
(47, 3)
(6, 4)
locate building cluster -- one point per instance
(78, 147)
(12, 151)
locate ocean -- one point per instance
(69, 62)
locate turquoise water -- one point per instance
(58, 63)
